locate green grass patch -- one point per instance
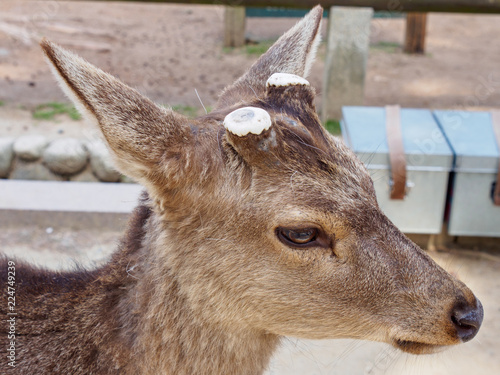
(186, 110)
(258, 48)
(48, 111)
(389, 47)
(1, 103)
(333, 126)
(251, 48)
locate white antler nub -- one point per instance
(247, 120)
(285, 79)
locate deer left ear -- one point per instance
(293, 53)
(149, 143)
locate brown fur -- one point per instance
(202, 284)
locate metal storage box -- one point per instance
(428, 157)
(472, 139)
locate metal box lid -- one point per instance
(426, 148)
(472, 139)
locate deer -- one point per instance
(255, 224)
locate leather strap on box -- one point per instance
(495, 118)
(396, 151)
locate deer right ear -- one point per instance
(293, 53)
(149, 143)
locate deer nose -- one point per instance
(467, 320)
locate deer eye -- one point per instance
(304, 237)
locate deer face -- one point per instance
(336, 265)
(267, 221)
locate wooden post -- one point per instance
(234, 26)
(346, 56)
(415, 32)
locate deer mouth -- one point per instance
(414, 347)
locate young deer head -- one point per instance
(261, 225)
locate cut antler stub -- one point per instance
(247, 120)
(285, 79)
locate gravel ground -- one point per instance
(168, 50)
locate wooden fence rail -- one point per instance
(454, 6)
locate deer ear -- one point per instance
(142, 135)
(293, 53)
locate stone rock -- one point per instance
(102, 163)
(33, 171)
(6, 156)
(66, 156)
(30, 147)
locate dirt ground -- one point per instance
(168, 51)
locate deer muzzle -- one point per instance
(467, 319)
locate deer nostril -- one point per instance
(467, 320)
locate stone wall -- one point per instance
(34, 157)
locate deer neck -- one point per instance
(173, 335)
